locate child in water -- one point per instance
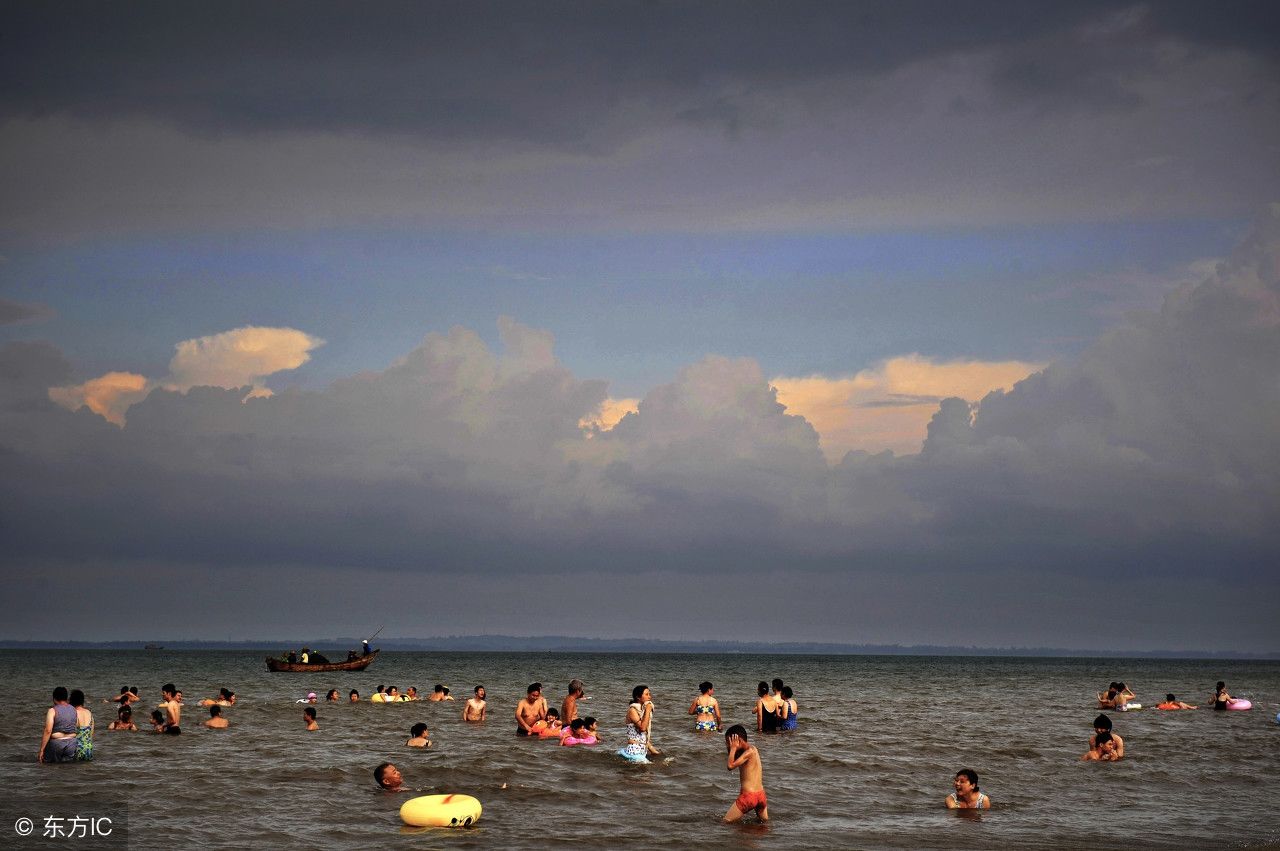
(124, 719)
(746, 759)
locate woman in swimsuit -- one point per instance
(84, 727)
(788, 710)
(124, 720)
(1220, 696)
(967, 796)
(707, 710)
(639, 719)
(766, 710)
(58, 744)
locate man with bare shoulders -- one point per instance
(746, 759)
(569, 709)
(475, 707)
(170, 706)
(531, 710)
(216, 721)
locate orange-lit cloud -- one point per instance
(889, 407)
(109, 395)
(610, 414)
(237, 358)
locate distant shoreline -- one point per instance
(572, 644)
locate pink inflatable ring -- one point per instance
(1239, 704)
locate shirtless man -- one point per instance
(216, 721)
(746, 759)
(309, 715)
(569, 708)
(439, 693)
(170, 706)
(1102, 748)
(388, 777)
(530, 710)
(1102, 724)
(475, 707)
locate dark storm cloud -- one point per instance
(1153, 454)
(552, 73)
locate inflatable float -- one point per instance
(1129, 707)
(440, 811)
(1239, 704)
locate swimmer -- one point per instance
(575, 734)
(380, 695)
(788, 709)
(418, 737)
(766, 710)
(216, 721)
(966, 796)
(531, 710)
(1102, 749)
(310, 698)
(1102, 724)
(744, 757)
(126, 695)
(1220, 696)
(393, 695)
(388, 777)
(354, 696)
(549, 727)
(171, 705)
(706, 708)
(592, 727)
(309, 716)
(332, 696)
(475, 707)
(1171, 702)
(124, 719)
(411, 693)
(160, 725)
(568, 707)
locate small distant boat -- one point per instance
(154, 647)
(357, 664)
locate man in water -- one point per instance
(309, 715)
(170, 706)
(531, 710)
(216, 721)
(388, 777)
(1101, 749)
(1102, 724)
(746, 759)
(475, 707)
(569, 709)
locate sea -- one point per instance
(879, 740)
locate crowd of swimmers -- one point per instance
(69, 727)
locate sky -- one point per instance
(910, 322)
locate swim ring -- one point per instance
(440, 811)
(1239, 704)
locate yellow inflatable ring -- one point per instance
(441, 811)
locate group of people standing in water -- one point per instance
(69, 725)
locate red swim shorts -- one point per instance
(749, 801)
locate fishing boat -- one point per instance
(357, 664)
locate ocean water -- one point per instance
(880, 739)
